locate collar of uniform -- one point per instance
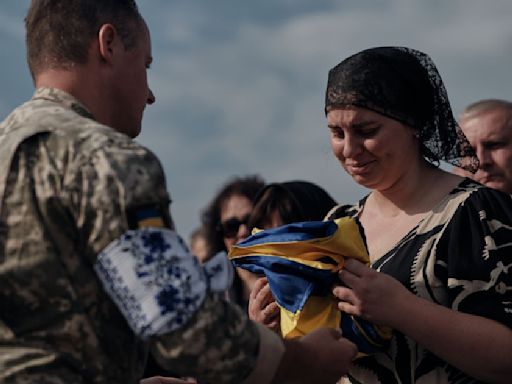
(62, 97)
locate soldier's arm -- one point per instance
(163, 292)
(220, 345)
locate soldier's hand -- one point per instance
(262, 307)
(322, 356)
(332, 351)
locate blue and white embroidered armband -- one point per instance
(155, 281)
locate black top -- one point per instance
(458, 256)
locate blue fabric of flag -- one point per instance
(291, 282)
(301, 262)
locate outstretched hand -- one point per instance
(262, 306)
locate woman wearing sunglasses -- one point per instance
(225, 221)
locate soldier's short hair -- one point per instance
(59, 32)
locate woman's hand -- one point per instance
(461, 339)
(374, 296)
(262, 307)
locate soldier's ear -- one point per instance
(108, 41)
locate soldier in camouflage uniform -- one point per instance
(92, 274)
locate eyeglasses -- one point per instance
(230, 227)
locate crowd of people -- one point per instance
(96, 286)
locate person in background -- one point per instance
(289, 202)
(92, 273)
(488, 126)
(225, 221)
(275, 205)
(199, 244)
(439, 245)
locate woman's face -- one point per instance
(375, 150)
(234, 216)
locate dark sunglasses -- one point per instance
(230, 227)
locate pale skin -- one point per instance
(383, 155)
(490, 134)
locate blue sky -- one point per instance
(240, 84)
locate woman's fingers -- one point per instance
(261, 293)
(356, 267)
(349, 302)
(265, 296)
(262, 307)
(348, 308)
(344, 293)
(258, 286)
(270, 312)
(348, 278)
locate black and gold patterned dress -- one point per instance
(458, 256)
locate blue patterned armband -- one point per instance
(155, 281)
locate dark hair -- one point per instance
(59, 32)
(247, 186)
(294, 201)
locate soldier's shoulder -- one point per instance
(76, 140)
(72, 128)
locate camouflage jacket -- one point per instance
(67, 186)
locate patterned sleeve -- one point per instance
(156, 283)
(341, 210)
(475, 256)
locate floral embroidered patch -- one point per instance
(153, 278)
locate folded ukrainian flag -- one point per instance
(301, 262)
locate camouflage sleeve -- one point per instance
(113, 189)
(113, 185)
(221, 345)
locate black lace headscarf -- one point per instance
(403, 84)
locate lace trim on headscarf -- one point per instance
(403, 84)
